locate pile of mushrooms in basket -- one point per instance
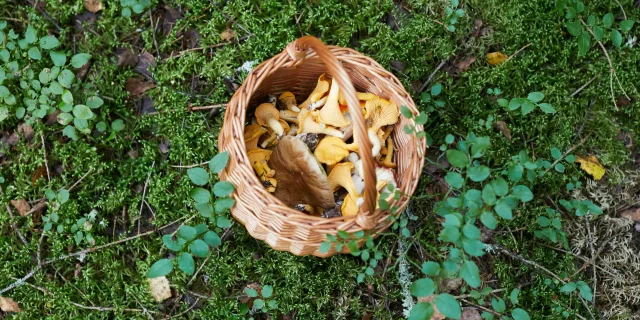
(304, 152)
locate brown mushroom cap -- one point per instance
(267, 115)
(252, 133)
(301, 179)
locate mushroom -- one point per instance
(252, 133)
(349, 207)
(289, 115)
(268, 115)
(382, 173)
(360, 95)
(318, 103)
(288, 100)
(332, 150)
(306, 124)
(305, 208)
(331, 114)
(321, 88)
(388, 159)
(258, 159)
(380, 113)
(340, 176)
(301, 179)
(273, 138)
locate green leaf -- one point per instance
(56, 88)
(161, 268)
(223, 222)
(199, 248)
(498, 305)
(479, 173)
(513, 296)
(457, 158)
(212, 239)
(80, 59)
(117, 125)
(49, 42)
(470, 273)
(450, 234)
(94, 102)
(574, 28)
(186, 263)
(585, 291)
(519, 314)
(325, 246)
(171, 244)
(67, 97)
(473, 247)
(219, 161)
(431, 268)
(406, 112)
(138, 8)
(454, 179)
(436, 89)
(547, 108)
(448, 306)
(200, 195)
(584, 43)
(66, 78)
(568, 287)
(223, 204)
(523, 193)
(223, 188)
(515, 103)
(59, 58)
(527, 107)
(500, 187)
(479, 146)
(626, 25)
(267, 291)
(250, 292)
(598, 33)
(608, 20)
(616, 38)
(63, 196)
(34, 53)
(30, 35)
(470, 231)
(70, 132)
(421, 311)
(82, 112)
(559, 167)
(503, 210)
(422, 287)
(187, 233)
(198, 176)
(503, 102)
(488, 220)
(488, 195)
(4, 113)
(126, 12)
(449, 139)
(535, 96)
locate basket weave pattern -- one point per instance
(297, 69)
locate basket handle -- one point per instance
(297, 49)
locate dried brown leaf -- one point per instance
(502, 127)
(470, 314)
(228, 34)
(159, 288)
(126, 57)
(145, 62)
(631, 213)
(93, 5)
(26, 131)
(39, 173)
(8, 305)
(171, 15)
(138, 86)
(85, 17)
(22, 206)
(464, 64)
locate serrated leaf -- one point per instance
(422, 287)
(470, 273)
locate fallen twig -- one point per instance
(584, 86)
(424, 85)
(519, 50)
(217, 45)
(144, 192)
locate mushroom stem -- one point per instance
(275, 125)
(375, 142)
(388, 159)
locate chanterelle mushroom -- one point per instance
(301, 178)
(340, 176)
(331, 114)
(380, 113)
(272, 140)
(349, 207)
(321, 88)
(332, 150)
(388, 159)
(259, 161)
(362, 96)
(288, 100)
(267, 115)
(306, 124)
(252, 133)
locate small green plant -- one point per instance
(451, 15)
(135, 6)
(263, 301)
(55, 200)
(551, 225)
(528, 104)
(196, 241)
(581, 286)
(429, 98)
(81, 229)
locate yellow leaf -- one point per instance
(592, 166)
(495, 58)
(159, 288)
(93, 5)
(228, 34)
(8, 305)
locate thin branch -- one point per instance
(469, 295)
(218, 45)
(519, 50)
(185, 312)
(622, 8)
(46, 164)
(584, 86)
(144, 190)
(192, 165)
(424, 85)
(15, 227)
(110, 308)
(575, 146)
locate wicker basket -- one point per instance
(297, 69)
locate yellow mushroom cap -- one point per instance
(288, 100)
(306, 124)
(252, 133)
(321, 89)
(360, 95)
(381, 112)
(332, 150)
(267, 115)
(331, 114)
(340, 176)
(349, 207)
(258, 159)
